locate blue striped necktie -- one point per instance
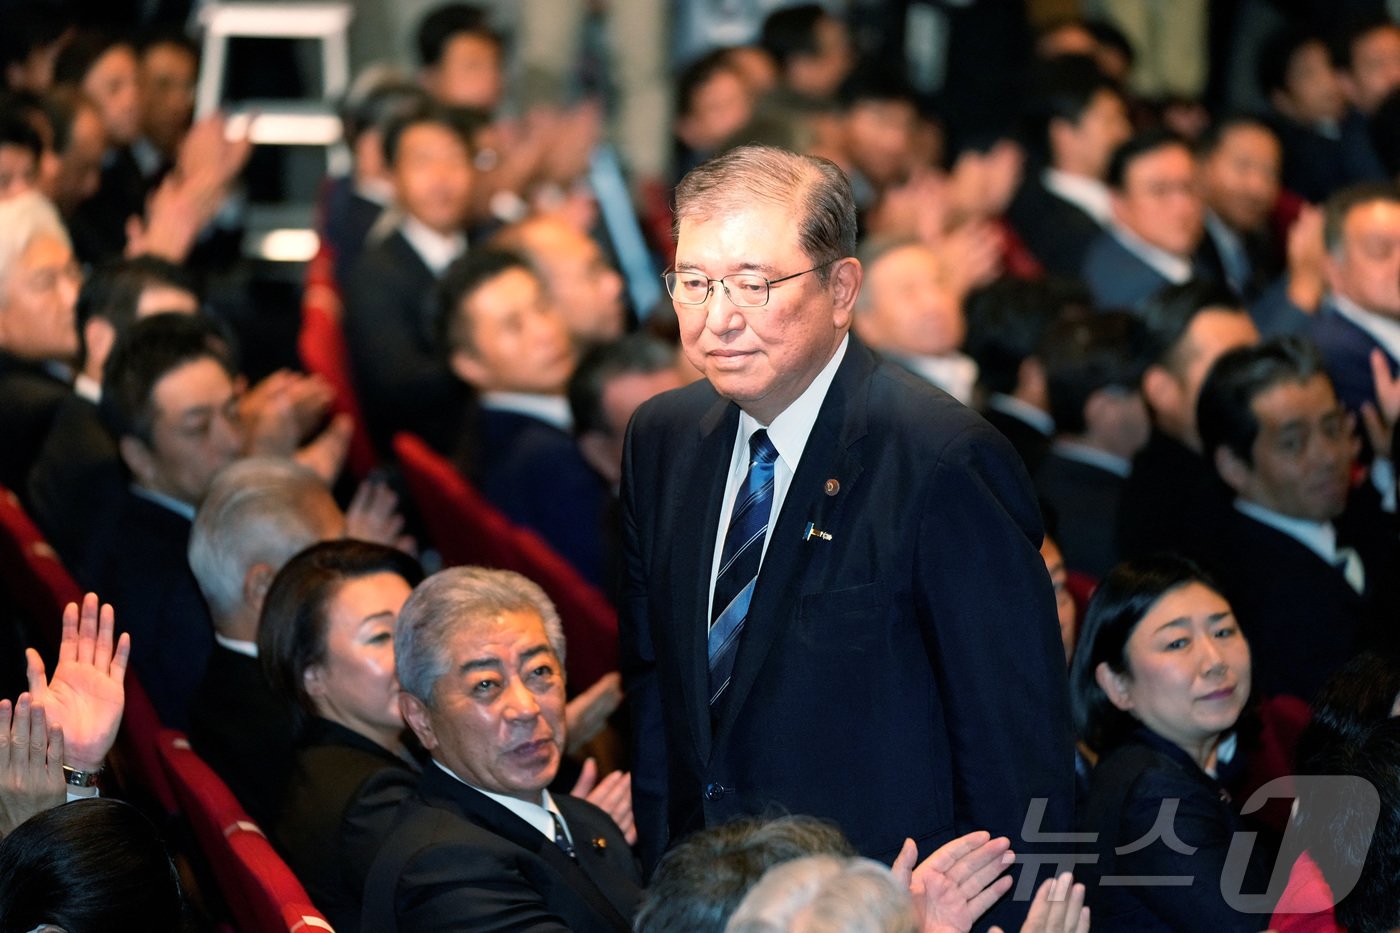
(739, 561)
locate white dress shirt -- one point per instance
(1088, 194)
(436, 251)
(539, 815)
(1171, 267)
(1318, 537)
(551, 409)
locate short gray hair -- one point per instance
(872, 250)
(258, 511)
(824, 894)
(24, 218)
(457, 597)
(816, 188)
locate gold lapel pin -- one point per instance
(833, 486)
(600, 845)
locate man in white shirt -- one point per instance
(1307, 560)
(480, 657)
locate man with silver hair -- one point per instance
(38, 336)
(483, 844)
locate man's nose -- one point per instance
(520, 701)
(720, 310)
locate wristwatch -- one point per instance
(75, 778)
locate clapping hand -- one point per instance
(612, 795)
(957, 883)
(31, 762)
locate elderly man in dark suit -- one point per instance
(483, 845)
(894, 665)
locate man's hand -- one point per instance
(1307, 255)
(31, 763)
(1380, 418)
(85, 698)
(957, 883)
(1058, 907)
(373, 515)
(281, 410)
(612, 795)
(587, 714)
(325, 453)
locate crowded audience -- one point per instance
(805, 366)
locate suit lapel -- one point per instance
(827, 456)
(693, 557)
(441, 790)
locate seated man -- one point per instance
(1156, 226)
(170, 400)
(401, 381)
(1173, 495)
(483, 844)
(502, 336)
(1092, 377)
(909, 311)
(1306, 561)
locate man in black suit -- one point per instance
(508, 341)
(1157, 222)
(401, 380)
(1307, 561)
(483, 844)
(1173, 496)
(1080, 119)
(902, 604)
(1239, 161)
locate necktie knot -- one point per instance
(761, 449)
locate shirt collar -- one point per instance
(183, 509)
(1385, 331)
(436, 251)
(1318, 537)
(790, 430)
(551, 409)
(1023, 411)
(539, 815)
(87, 387)
(954, 373)
(1088, 194)
(245, 648)
(1172, 268)
(1083, 453)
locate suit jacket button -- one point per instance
(714, 791)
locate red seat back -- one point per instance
(33, 574)
(469, 530)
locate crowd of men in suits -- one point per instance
(917, 357)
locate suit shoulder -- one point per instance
(925, 417)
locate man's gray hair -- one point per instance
(824, 894)
(815, 188)
(457, 597)
(872, 250)
(23, 218)
(258, 511)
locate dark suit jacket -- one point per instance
(339, 805)
(1085, 499)
(29, 400)
(457, 860)
(143, 571)
(885, 678)
(1116, 277)
(1302, 619)
(243, 731)
(1315, 165)
(533, 472)
(348, 221)
(1029, 441)
(98, 225)
(1170, 501)
(1057, 232)
(1126, 794)
(77, 484)
(401, 377)
(1347, 350)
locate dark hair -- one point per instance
(636, 353)
(16, 130)
(1216, 132)
(699, 883)
(790, 32)
(1085, 355)
(459, 283)
(1362, 692)
(442, 24)
(1225, 411)
(1340, 205)
(156, 36)
(1276, 56)
(1343, 42)
(61, 107)
(92, 865)
(699, 73)
(1063, 88)
(151, 349)
(1168, 314)
(1126, 595)
(461, 123)
(30, 27)
(292, 627)
(81, 53)
(1142, 144)
(1385, 132)
(1111, 37)
(875, 82)
(113, 291)
(380, 107)
(1007, 321)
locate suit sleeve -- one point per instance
(987, 606)
(462, 887)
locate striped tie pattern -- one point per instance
(739, 561)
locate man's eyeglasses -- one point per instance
(745, 289)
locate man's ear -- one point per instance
(1234, 471)
(138, 459)
(415, 713)
(1115, 686)
(468, 368)
(1160, 389)
(846, 276)
(98, 337)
